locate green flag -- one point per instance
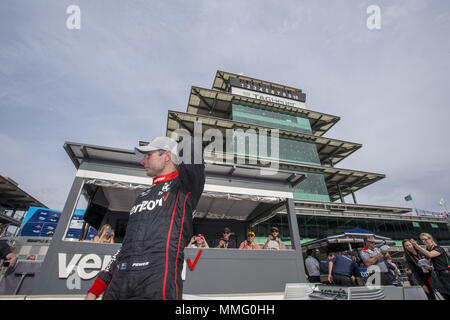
(408, 197)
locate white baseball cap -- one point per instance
(159, 143)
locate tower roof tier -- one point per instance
(219, 104)
(330, 151)
(222, 80)
(345, 181)
(339, 181)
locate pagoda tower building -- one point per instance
(241, 103)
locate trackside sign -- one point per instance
(86, 266)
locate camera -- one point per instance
(109, 234)
(5, 263)
(423, 263)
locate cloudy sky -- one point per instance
(112, 81)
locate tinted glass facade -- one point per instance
(288, 149)
(312, 188)
(317, 227)
(267, 118)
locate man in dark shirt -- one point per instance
(342, 268)
(149, 263)
(226, 242)
(324, 265)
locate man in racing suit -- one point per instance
(150, 261)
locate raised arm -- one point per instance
(370, 261)
(192, 169)
(429, 254)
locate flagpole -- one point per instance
(414, 204)
(443, 204)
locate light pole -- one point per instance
(442, 203)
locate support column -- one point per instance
(68, 210)
(340, 194)
(295, 238)
(354, 198)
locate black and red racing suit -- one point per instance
(150, 261)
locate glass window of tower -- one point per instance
(273, 119)
(317, 227)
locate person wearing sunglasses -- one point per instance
(226, 242)
(372, 255)
(250, 243)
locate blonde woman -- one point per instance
(438, 256)
(198, 241)
(105, 235)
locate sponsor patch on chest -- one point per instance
(148, 205)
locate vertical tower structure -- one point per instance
(241, 103)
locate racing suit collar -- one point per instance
(166, 177)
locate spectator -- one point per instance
(226, 242)
(440, 274)
(393, 270)
(105, 235)
(7, 254)
(323, 266)
(250, 243)
(343, 270)
(410, 276)
(31, 258)
(419, 267)
(312, 266)
(273, 242)
(198, 241)
(371, 255)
